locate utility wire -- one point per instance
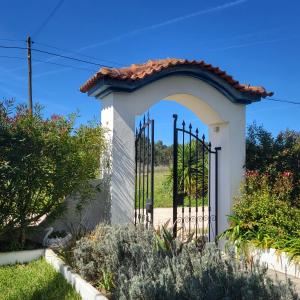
(12, 40)
(48, 62)
(283, 100)
(47, 20)
(56, 54)
(79, 54)
(69, 57)
(15, 57)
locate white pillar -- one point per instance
(120, 123)
(230, 136)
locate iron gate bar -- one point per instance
(216, 187)
(175, 174)
(135, 179)
(190, 178)
(209, 191)
(152, 170)
(183, 183)
(197, 179)
(203, 181)
(147, 189)
(144, 157)
(140, 169)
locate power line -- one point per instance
(283, 100)
(14, 57)
(12, 40)
(48, 62)
(47, 20)
(79, 54)
(55, 54)
(69, 57)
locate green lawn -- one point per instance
(163, 196)
(35, 281)
(162, 192)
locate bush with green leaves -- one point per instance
(42, 161)
(274, 156)
(264, 217)
(136, 263)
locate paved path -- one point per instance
(162, 215)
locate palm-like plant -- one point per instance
(192, 170)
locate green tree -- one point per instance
(163, 154)
(42, 161)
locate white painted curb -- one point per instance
(25, 256)
(278, 261)
(86, 290)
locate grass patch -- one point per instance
(35, 281)
(163, 194)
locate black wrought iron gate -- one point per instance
(144, 172)
(195, 181)
(195, 188)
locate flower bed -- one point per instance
(133, 263)
(264, 217)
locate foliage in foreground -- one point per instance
(42, 161)
(134, 263)
(34, 281)
(264, 217)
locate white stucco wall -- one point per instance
(225, 120)
(94, 211)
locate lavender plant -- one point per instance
(127, 262)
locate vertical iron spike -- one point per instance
(183, 124)
(144, 119)
(140, 124)
(148, 115)
(197, 132)
(175, 174)
(152, 170)
(203, 137)
(190, 127)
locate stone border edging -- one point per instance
(24, 256)
(85, 289)
(276, 261)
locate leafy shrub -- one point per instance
(132, 264)
(264, 217)
(42, 161)
(275, 156)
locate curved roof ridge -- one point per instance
(137, 72)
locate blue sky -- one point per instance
(257, 41)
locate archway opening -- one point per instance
(192, 167)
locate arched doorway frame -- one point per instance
(209, 93)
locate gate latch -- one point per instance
(180, 198)
(149, 205)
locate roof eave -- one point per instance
(105, 86)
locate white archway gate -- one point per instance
(217, 99)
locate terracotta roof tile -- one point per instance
(141, 71)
